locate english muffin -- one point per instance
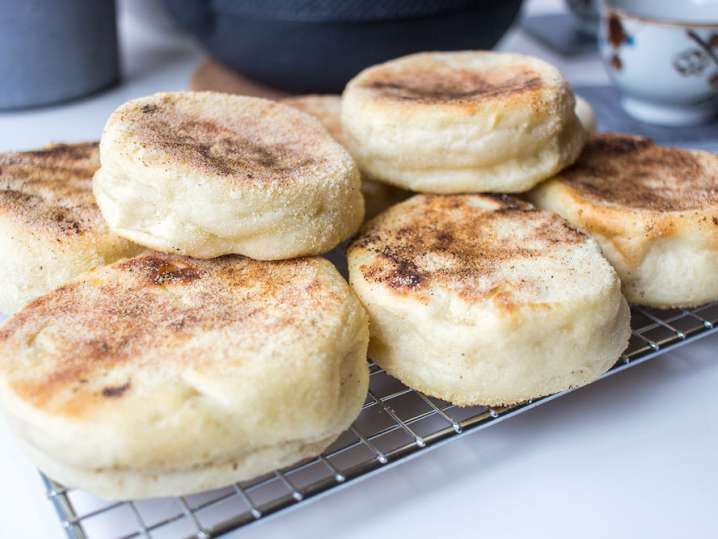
(486, 300)
(206, 174)
(454, 122)
(586, 115)
(378, 196)
(50, 227)
(654, 211)
(326, 108)
(161, 375)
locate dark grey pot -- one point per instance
(318, 45)
(53, 50)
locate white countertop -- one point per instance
(630, 456)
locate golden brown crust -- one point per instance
(462, 122)
(109, 319)
(50, 190)
(458, 241)
(654, 212)
(177, 125)
(432, 86)
(207, 174)
(631, 171)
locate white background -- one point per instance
(632, 456)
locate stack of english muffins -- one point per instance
(176, 330)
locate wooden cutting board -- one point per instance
(212, 76)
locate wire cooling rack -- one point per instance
(396, 423)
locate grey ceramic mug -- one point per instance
(53, 51)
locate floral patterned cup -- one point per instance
(663, 56)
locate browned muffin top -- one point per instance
(92, 339)
(241, 138)
(475, 245)
(453, 78)
(452, 84)
(632, 171)
(50, 190)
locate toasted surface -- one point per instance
(653, 209)
(50, 189)
(207, 174)
(462, 122)
(185, 129)
(445, 80)
(632, 171)
(186, 374)
(485, 300)
(50, 227)
(378, 196)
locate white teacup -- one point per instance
(663, 56)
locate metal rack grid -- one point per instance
(396, 423)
